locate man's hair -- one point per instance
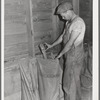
(63, 7)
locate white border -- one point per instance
(2, 49)
(95, 50)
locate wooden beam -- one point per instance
(76, 6)
(15, 39)
(30, 30)
(55, 19)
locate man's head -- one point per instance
(65, 9)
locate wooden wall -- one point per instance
(44, 22)
(15, 46)
(15, 31)
(86, 14)
(27, 24)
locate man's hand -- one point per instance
(48, 46)
(58, 56)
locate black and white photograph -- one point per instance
(48, 50)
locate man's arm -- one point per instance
(58, 41)
(69, 44)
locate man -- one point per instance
(73, 52)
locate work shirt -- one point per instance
(76, 25)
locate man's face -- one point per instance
(66, 15)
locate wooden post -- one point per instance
(30, 30)
(55, 19)
(75, 4)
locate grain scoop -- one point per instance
(43, 51)
(46, 55)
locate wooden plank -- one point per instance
(40, 34)
(16, 55)
(41, 26)
(15, 65)
(88, 21)
(86, 14)
(14, 7)
(36, 1)
(14, 18)
(12, 59)
(42, 10)
(43, 37)
(41, 16)
(42, 5)
(76, 6)
(60, 1)
(14, 1)
(13, 49)
(15, 39)
(55, 20)
(30, 27)
(14, 28)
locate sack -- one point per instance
(28, 73)
(40, 79)
(49, 79)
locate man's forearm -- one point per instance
(58, 41)
(65, 50)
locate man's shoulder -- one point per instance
(78, 21)
(77, 24)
